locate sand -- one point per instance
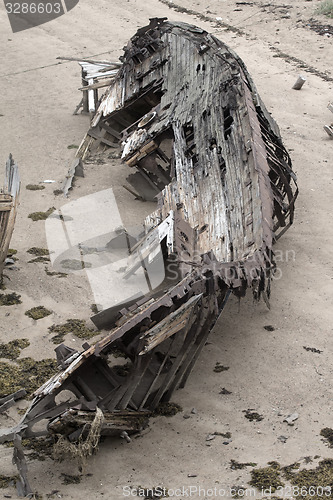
(269, 371)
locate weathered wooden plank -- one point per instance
(175, 322)
(97, 85)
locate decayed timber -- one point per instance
(200, 141)
(8, 207)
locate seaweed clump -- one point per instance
(10, 299)
(289, 469)
(253, 415)
(42, 254)
(34, 187)
(68, 479)
(267, 477)
(57, 192)
(12, 349)
(55, 273)
(27, 373)
(76, 327)
(38, 312)
(167, 409)
(241, 465)
(327, 433)
(220, 368)
(308, 484)
(35, 216)
(40, 448)
(38, 251)
(94, 308)
(313, 483)
(6, 481)
(40, 258)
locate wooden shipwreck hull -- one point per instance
(9, 195)
(199, 139)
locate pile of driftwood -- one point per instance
(193, 128)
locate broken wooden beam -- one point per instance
(114, 423)
(8, 401)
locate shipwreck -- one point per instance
(189, 121)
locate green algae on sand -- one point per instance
(38, 312)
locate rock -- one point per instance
(210, 437)
(283, 439)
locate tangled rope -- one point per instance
(84, 448)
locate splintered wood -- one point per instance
(8, 206)
(201, 143)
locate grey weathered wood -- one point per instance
(9, 200)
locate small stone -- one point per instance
(192, 475)
(283, 439)
(210, 437)
(227, 441)
(194, 411)
(291, 418)
(186, 416)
